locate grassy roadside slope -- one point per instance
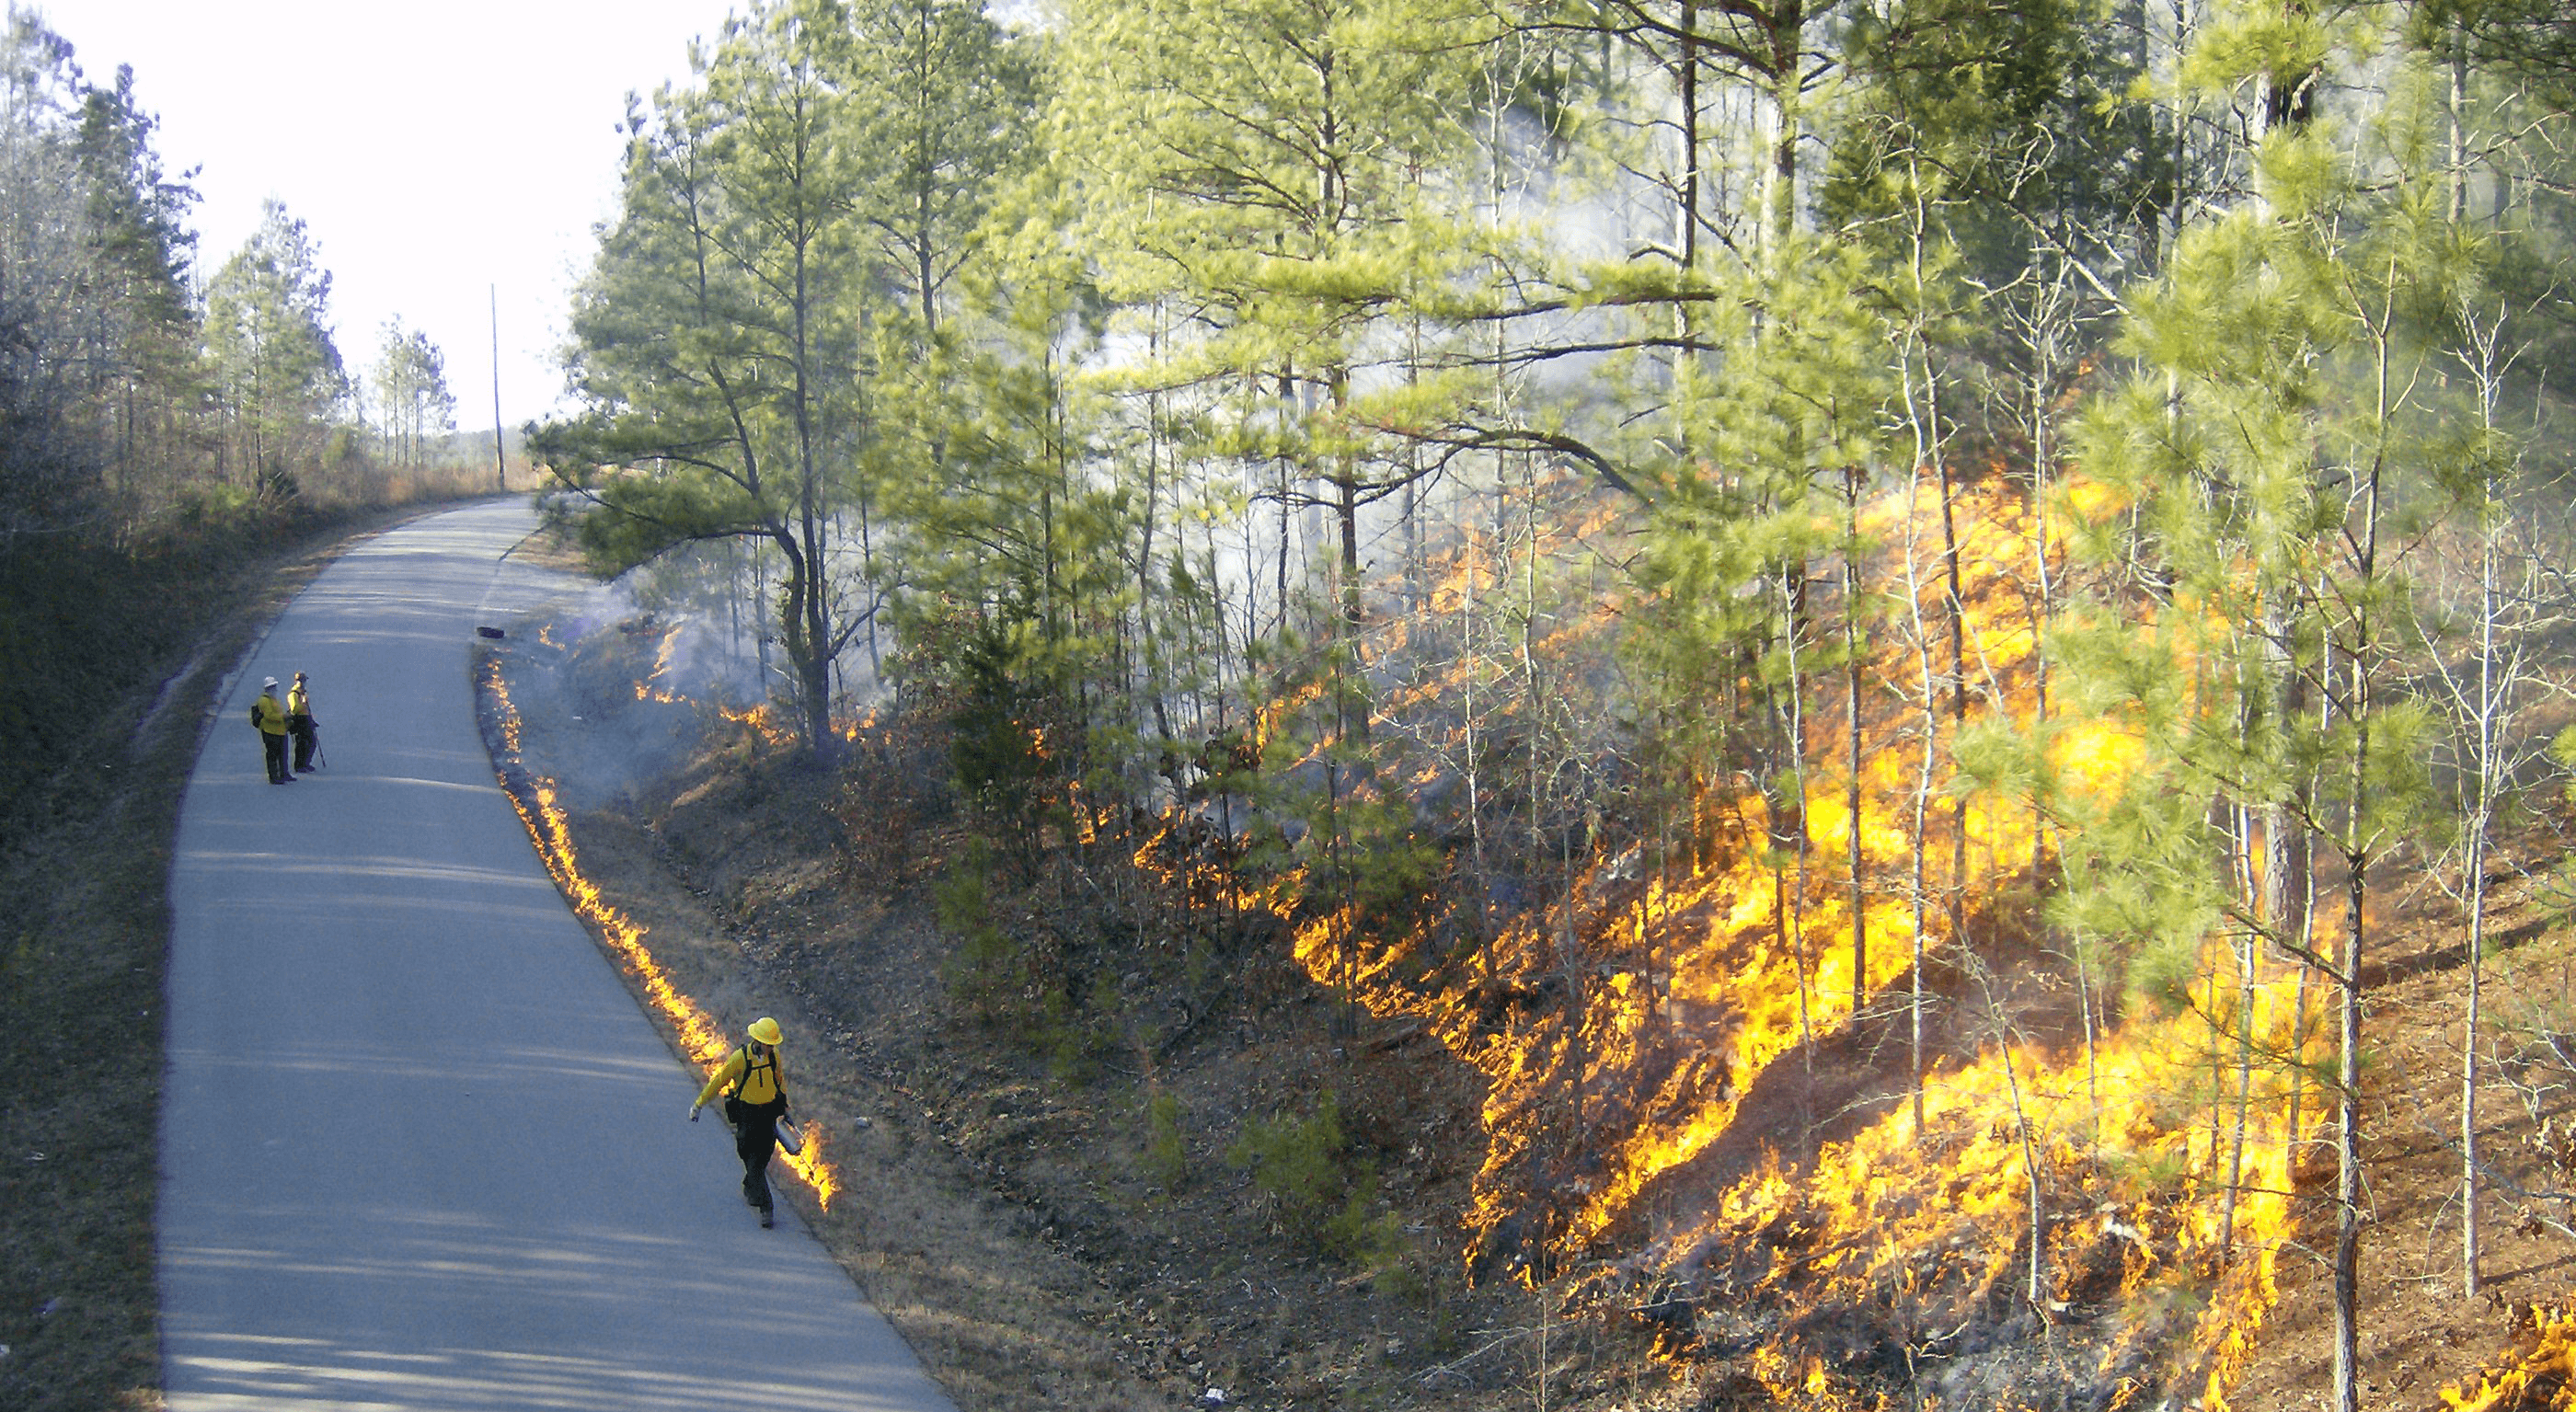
(115, 664)
(1013, 1184)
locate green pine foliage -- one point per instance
(1401, 481)
(984, 970)
(1167, 1156)
(1325, 1200)
(278, 372)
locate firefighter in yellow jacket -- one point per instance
(755, 1106)
(300, 723)
(269, 715)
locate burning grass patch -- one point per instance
(2537, 1375)
(999, 1318)
(1728, 1189)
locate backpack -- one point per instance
(736, 1108)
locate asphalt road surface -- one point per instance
(419, 1147)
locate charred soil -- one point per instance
(1048, 1197)
(1054, 1177)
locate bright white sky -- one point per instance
(433, 151)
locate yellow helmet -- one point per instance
(765, 1030)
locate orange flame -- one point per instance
(701, 1036)
(662, 658)
(2546, 1369)
(1721, 973)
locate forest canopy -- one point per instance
(144, 386)
(1654, 535)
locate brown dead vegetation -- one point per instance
(1008, 1210)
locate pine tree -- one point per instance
(719, 344)
(1256, 168)
(148, 379)
(2276, 436)
(278, 370)
(942, 103)
(413, 400)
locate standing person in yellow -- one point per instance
(269, 715)
(299, 719)
(755, 1107)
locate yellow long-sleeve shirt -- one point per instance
(761, 1082)
(268, 714)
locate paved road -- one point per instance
(419, 1148)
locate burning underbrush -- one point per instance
(2066, 1225)
(2537, 1375)
(1951, 1164)
(1787, 1077)
(539, 800)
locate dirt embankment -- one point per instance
(2420, 1333)
(1009, 1197)
(1058, 1208)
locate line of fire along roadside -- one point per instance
(541, 809)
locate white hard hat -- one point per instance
(272, 681)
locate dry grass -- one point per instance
(1006, 1218)
(1001, 1318)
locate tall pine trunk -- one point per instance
(1858, 882)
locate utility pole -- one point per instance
(500, 466)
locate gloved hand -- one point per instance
(693, 1112)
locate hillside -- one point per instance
(1817, 766)
(1053, 1195)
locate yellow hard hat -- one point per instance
(765, 1030)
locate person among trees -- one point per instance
(268, 714)
(299, 721)
(755, 1107)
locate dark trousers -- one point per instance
(276, 747)
(303, 745)
(755, 1136)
